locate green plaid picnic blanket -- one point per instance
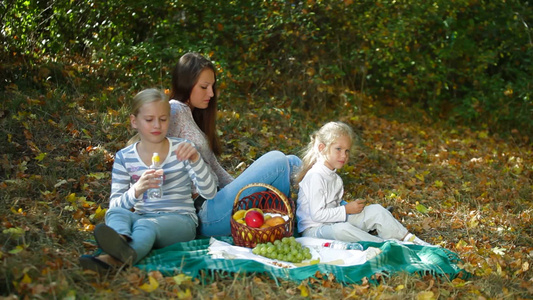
(192, 257)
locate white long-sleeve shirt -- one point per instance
(319, 198)
(177, 182)
(182, 125)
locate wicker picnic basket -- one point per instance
(269, 201)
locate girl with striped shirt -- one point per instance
(134, 223)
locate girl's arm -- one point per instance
(122, 192)
(322, 205)
(201, 176)
(182, 125)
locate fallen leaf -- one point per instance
(304, 290)
(181, 278)
(426, 295)
(26, 279)
(421, 208)
(151, 286)
(17, 249)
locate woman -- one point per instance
(193, 115)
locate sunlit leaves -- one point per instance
(99, 214)
(14, 232)
(425, 295)
(40, 156)
(421, 208)
(304, 289)
(150, 286)
(182, 278)
(26, 279)
(16, 250)
(438, 183)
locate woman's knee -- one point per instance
(274, 155)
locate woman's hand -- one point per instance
(150, 179)
(186, 151)
(355, 206)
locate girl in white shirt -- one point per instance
(319, 211)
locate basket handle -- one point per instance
(271, 188)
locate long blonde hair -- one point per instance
(142, 98)
(327, 135)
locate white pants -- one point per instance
(357, 226)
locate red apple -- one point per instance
(254, 219)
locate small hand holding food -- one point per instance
(149, 180)
(355, 206)
(186, 151)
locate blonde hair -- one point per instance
(144, 97)
(326, 135)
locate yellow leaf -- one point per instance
(87, 133)
(71, 295)
(16, 232)
(439, 183)
(98, 175)
(304, 290)
(421, 208)
(420, 177)
(499, 269)
(26, 279)
(16, 250)
(71, 197)
(181, 278)
(184, 295)
(525, 266)
(100, 213)
(483, 134)
(150, 287)
(400, 287)
(41, 156)
(473, 223)
(426, 295)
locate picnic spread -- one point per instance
(348, 266)
(236, 254)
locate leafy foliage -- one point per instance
(468, 61)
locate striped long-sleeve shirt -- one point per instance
(177, 182)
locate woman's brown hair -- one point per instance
(184, 76)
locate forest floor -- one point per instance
(467, 190)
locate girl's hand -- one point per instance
(186, 151)
(355, 206)
(149, 180)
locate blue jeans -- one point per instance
(153, 230)
(274, 168)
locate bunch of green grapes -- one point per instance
(286, 249)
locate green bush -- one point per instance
(469, 61)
